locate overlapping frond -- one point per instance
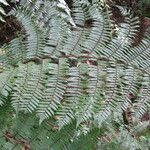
(54, 90)
(26, 90)
(77, 75)
(6, 83)
(14, 52)
(35, 37)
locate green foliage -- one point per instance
(144, 6)
(65, 82)
(2, 11)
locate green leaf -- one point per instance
(4, 2)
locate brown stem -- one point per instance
(12, 139)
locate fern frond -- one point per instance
(66, 112)
(54, 89)
(100, 32)
(82, 140)
(29, 76)
(141, 127)
(56, 38)
(14, 52)
(6, 83)
(77, 79)
(142, 104)
(78, 35)
(35, 37)
(123, 41)
(140, 54)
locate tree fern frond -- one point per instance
(28, 77)
(35, 37)
(66, 112)
(141, 127)
(142, 104)
(31, 4)
(100, 32)
(113, 94)
(14, 51)
(124, 38)
(77, 75)
(81, 143)
(93, 92)
(6, 83)
(56, 38)
(2, 11)
(80, 15)
(140, 54)
(54, 89)
(85, 104)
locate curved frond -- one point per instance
(78, 74)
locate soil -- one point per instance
(9, 29)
